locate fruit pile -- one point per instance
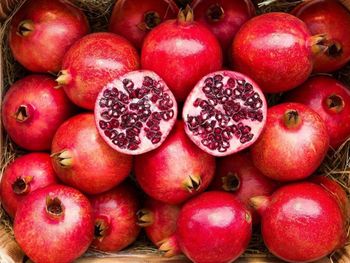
(162, 123)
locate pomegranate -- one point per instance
(23, 176)
(165, 177)
(237, 174)
(332, 18)
(32, 111)
(134, 21)
(224, 113)
(214, 227)
(276, 50)
(115, 218)
(224, 18)
(42, 31)
(83, 160)
(331, 100)
(49, 216)
(135, 113)
(293, 144)
(181, 52)
(92, 62)
(301, 222)
(159, 221)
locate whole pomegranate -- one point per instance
(135, 113)
(293, 144)
(224, 18)
(276, 50)
(115, 218)
(170, 179)
(92, 62)
(83, 160)
(134, 21)
(237, 174)
(213, 227)
(300, 222)
(224, 113)
(181, 52)
(33, 109)
(54, 224)
(42, 31)
(23, 176)
(333, 19)
(331, 100)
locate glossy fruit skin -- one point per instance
(305, 209)
(47, 108)
(274, 50)
(162, 175)
(251, 182)
(314, 93)
(57, 25)
(128, 19)
(213, 227)
(117, 209)
(40, 234)
(33, 168)
(235, 14)
(333, 19)
(181, 52)
(94, 166)
(92, 62)
(294, 153)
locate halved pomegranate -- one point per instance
(224, 113)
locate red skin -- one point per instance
(301, 223)
(95, 166)
(116, 209)
(333, 19)
(37, 172)
(40, 234)
(161, 174)
(287, 154)
(251, 182)
(92, 62)
(181, 52)
(274, 50)
(214, 227)
(236, 13)
(314, 93)
(47, 108)
(128, 18)
(57, 25)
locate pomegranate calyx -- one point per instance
(54, 207)
(63, 158)
(185, 16)
(151, 19)
(318, 43)
(145, 217)
(21, 185)
(25, 28)
(259, 203)
(291, 119)
(335, 103)
(230, 182)
(22, 113)
(101, 227)
(63, 78)
(215, 13)
(192, 183)
(169, 246)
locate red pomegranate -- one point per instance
(166, 177)
(134, 21)
(224, 18)
(301, 222)
(293, 144)
(333, 19)
(276, 50)
(23, 176)
(213, 227)
(32, 111)
(83, 160)
(331, 100)
(224, 113)
(54, 224)
(92, 62)
(42, 31)
(136, 112)
(115, 218)
(237, 174)
(181, 52)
